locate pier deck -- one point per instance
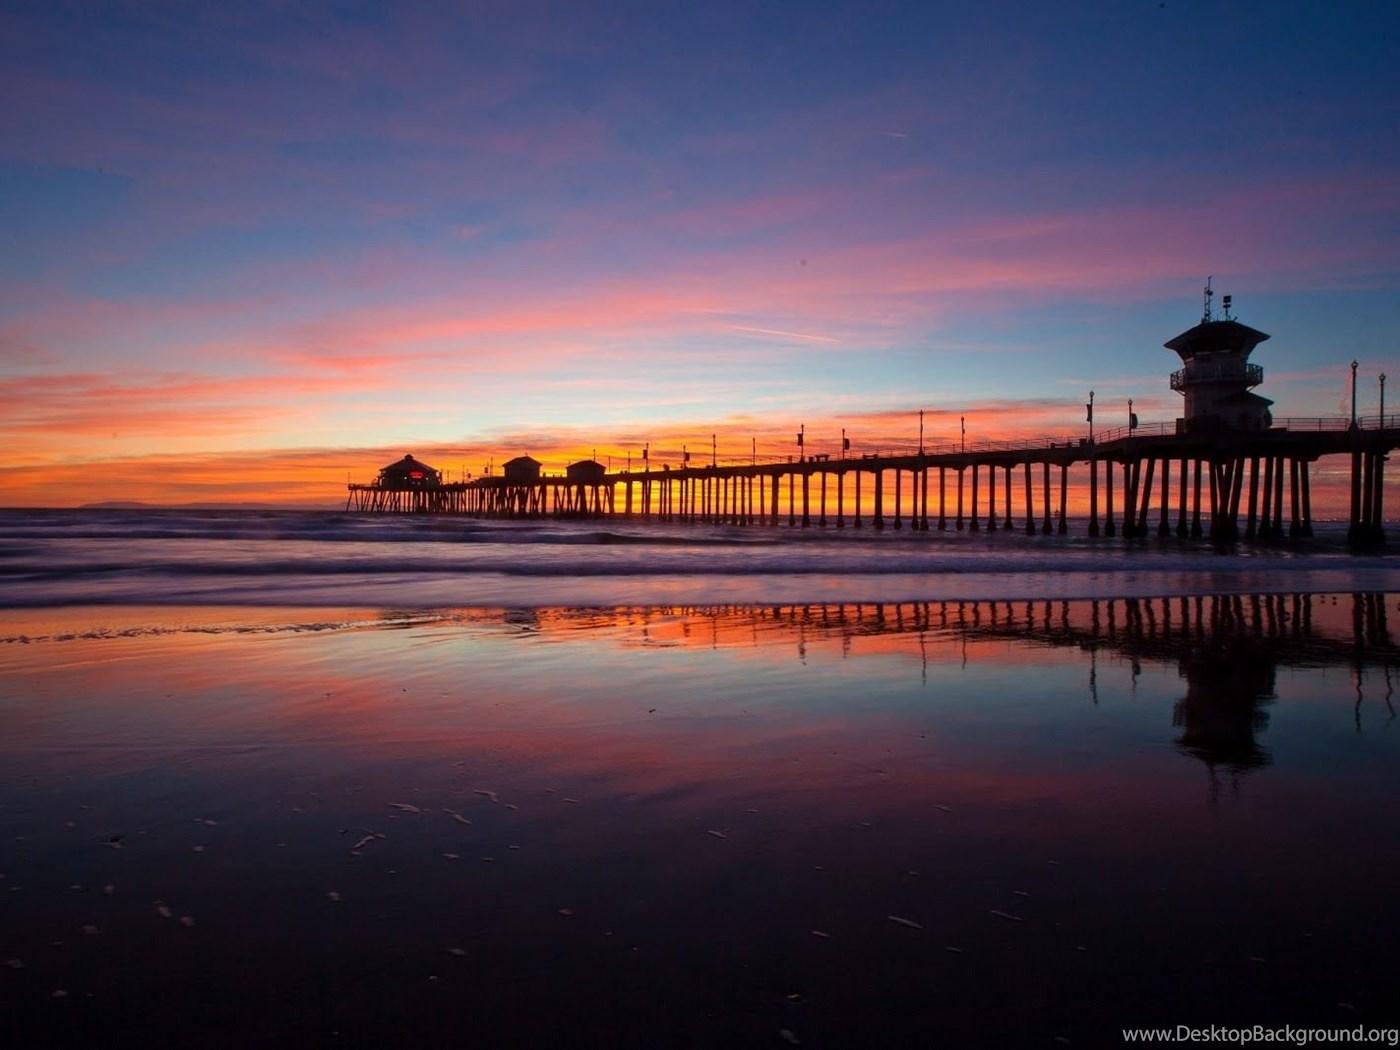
(1224, 485)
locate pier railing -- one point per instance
(816, 454)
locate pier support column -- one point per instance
(942, 500)
(792, 499)
(821, 520)
(898, 499)
(1164, 527)
(1214, 531)
(1129, 515)
(1236, 490)
(1185, 468)
(1030, 502)
(1295, 524)
(1093, 496)
(1278, 498)
(857, 487)
(1064, 497)
(1251, 524)
(1196, 503)
(1045, 488)
(841, 499)
(1146, 485)
(878, 520)
(1378, 504)
(960, 499)
(806, 509)
(992, 520)
(1108, 526)
(1266, 510)
(972, 523)
(923, 496)
(1007, 492)
(1354, 526)
(1305, 469)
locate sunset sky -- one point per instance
(248, 248)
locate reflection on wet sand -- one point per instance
(1227, 648)
(897, 824)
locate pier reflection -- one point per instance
(1227, 649)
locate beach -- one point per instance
(763, 822)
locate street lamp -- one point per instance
(921, 431)
(962, 426)
(1090, 407)
(1382, 424)
(1353, 395)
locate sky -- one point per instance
(248, 250)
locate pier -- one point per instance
(1225, 470)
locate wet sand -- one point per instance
(968, 823)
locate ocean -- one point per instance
(287, 778)
(270, 558)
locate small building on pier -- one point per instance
(1217, 378)
(586, 472)
(409, 473)
(522, 470)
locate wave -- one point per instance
(289, 558)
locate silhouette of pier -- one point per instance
(1226, 470)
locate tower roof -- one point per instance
(408, 463)
(1213, 337)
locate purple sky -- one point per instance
(255, 228)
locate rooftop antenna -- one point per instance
(1209, 295)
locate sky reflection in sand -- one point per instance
(694, 792)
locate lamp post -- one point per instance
(1091, 417)
(802, 443)
(962, 426)
(714, 451)
(921, 431)
(1382, 423)
(1353, 395)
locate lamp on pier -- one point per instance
(1353, 394)
(1382, 423)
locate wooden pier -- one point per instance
(1144, 482)
(1226, 470)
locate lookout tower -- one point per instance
(1216, 377)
